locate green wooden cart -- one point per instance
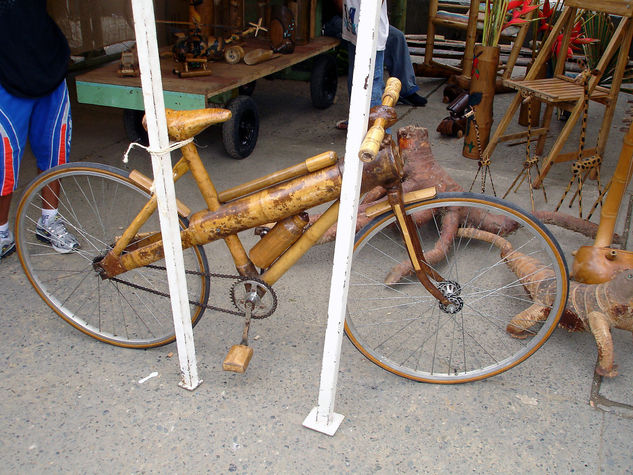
(229, 85)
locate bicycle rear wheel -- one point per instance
(97, 203)
(403, 329)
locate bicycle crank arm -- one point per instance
(239, 356)
(414, 247)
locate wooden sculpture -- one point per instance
(193, 50)
(600, 262)
(590, 307)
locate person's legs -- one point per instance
(14, 125)
(378, 84)
(49, 136)
(398, 64)
(51, 129)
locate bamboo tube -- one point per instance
(482, 93)
(318, 162)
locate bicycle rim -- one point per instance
(402, 328)
(98, 202)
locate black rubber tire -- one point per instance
(247, 89)
(133, 123)
(324, 81)
(239, 134)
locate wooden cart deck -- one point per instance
(103, 86)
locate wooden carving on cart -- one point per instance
(129, 64)
(282, 30)
(226, 46)
(192, 51)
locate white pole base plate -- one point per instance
(313, 422)
(190, 387)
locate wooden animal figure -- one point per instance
(455, 124)
(590, 307)
(452, 126)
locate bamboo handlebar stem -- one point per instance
(371, 144)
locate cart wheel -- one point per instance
(247, 89)
(133, 123)
(239, 134)
(323, 81)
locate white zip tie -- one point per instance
(170, 148)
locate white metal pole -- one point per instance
(323, 418)
(151, 81)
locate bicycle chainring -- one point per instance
(264, 297)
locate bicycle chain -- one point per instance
(206, 274)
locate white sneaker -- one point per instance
(53, 231)
(7, 243)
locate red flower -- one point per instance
(517, 12)
(575, 40)
(544, 15)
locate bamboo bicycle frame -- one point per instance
(272, 198)
(269, 199)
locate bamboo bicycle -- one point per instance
(445, 323)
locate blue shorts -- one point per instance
(47, 124)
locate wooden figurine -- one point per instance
(193, 51)
(129, 64)
(218, 46)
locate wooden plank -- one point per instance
(224, 77)
(613, 7)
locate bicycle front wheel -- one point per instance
(498, 316)
(97, 203)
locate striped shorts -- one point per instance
(44, 121)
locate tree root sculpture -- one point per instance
(423, 171)
(590, 307)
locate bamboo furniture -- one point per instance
(469, 24)
(565, 93)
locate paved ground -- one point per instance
(72, 404)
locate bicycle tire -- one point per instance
(401, 327)
(97, 203)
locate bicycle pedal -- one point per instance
(238, 358)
